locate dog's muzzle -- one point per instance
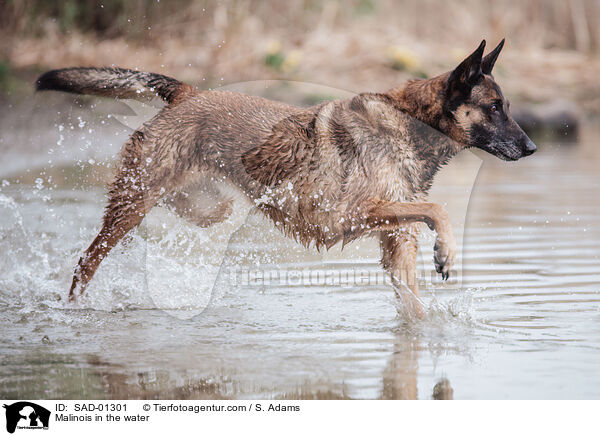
(529, 147)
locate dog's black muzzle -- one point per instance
(528, 147)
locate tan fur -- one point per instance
(324, 174)
(287, 160)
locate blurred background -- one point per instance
(520, 319)
(552, 50)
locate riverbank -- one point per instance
(371, 46)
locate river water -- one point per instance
(238, 311)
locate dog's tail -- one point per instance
(112, 82)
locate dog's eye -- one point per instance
(495, 107)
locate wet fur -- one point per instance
(325, 174)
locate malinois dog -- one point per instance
(324, 174)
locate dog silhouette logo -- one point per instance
(26, 415)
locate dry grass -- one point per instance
(551, 52)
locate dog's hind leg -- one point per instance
(116, 225)
(138, 185)
(200, 203)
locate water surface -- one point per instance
(167, 318)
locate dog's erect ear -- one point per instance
(466, 75)
(490, 59)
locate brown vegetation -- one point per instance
(551, 52)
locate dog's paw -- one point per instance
(444, 254)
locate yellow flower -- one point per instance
(273, 47)
(292, 60)
(403, 59)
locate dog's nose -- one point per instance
(529, 147)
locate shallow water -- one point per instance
(181, 312)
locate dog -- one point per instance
(325, 174)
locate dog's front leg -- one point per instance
(399, 259)
(390, 216)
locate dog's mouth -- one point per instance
(510, 151)
(508, 155)
(505, 153)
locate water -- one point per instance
(176, 312)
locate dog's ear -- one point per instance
(466, 75)
(487, 64)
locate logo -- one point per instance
(26, 415)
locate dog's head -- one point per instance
(477, 114)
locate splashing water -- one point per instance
(176, 311)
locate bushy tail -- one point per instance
(111, 82)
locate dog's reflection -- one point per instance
(400, 376)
